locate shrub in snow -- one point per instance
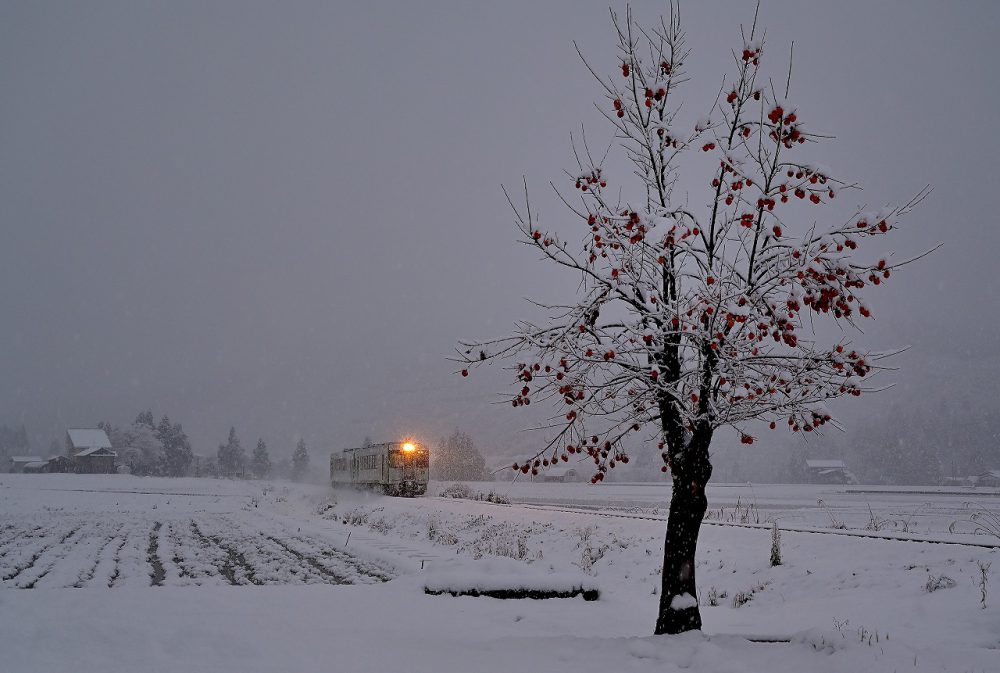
(326, 508)
(775, 545)
(464, 492)
(984, 578)
(987, 522)
(589, 553)
(741, 598)
(714, 596)
(939, 582)
(501, 539)
(457, 491)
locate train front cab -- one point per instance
(409, 469)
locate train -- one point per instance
(393, 468)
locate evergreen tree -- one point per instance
(260, 464)
(145, 418)
(232, 459)
(457, 459)
(177, 453)
(300, 460)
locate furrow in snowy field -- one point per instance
(104, 565)
(187, 560)
(223, 562)
(158, 572)
(29, 549)
(76, 561)
(319, 552)
(15, 548)
(333, 575)
(360, 571)
(43, 563)
(12, 533)
(132, 567)
(255, 558)
(29, 542)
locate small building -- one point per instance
(825, 471)
(988, 478)
(91, 451)
(560, 474)
(19, 463)
(58, 464)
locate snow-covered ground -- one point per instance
(132, 574)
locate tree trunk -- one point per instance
(688, 504)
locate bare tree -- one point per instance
(688, 317)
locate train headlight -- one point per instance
(409, 447)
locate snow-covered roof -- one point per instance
(103, 450)
(25, 459)
(826, 465)
(35, 465)
(89, 438)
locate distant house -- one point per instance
(58, 464)
(91, 451)
(19, 463)
(829, 472)
(36, 467)
(987, 478)
(560, 474)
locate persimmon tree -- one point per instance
(694, 314)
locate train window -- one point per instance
(417, 458)
(369, 462)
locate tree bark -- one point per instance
(688, 503)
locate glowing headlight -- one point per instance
(409, 447)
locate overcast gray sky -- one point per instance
(282, 216)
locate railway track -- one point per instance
(876, 535)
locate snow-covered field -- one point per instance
(133, 574)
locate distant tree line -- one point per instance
(148, 448)
(231, 461)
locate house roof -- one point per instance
(89, 438)
(26, 459)
(36, 464)
(826, 465)
(97, 450)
